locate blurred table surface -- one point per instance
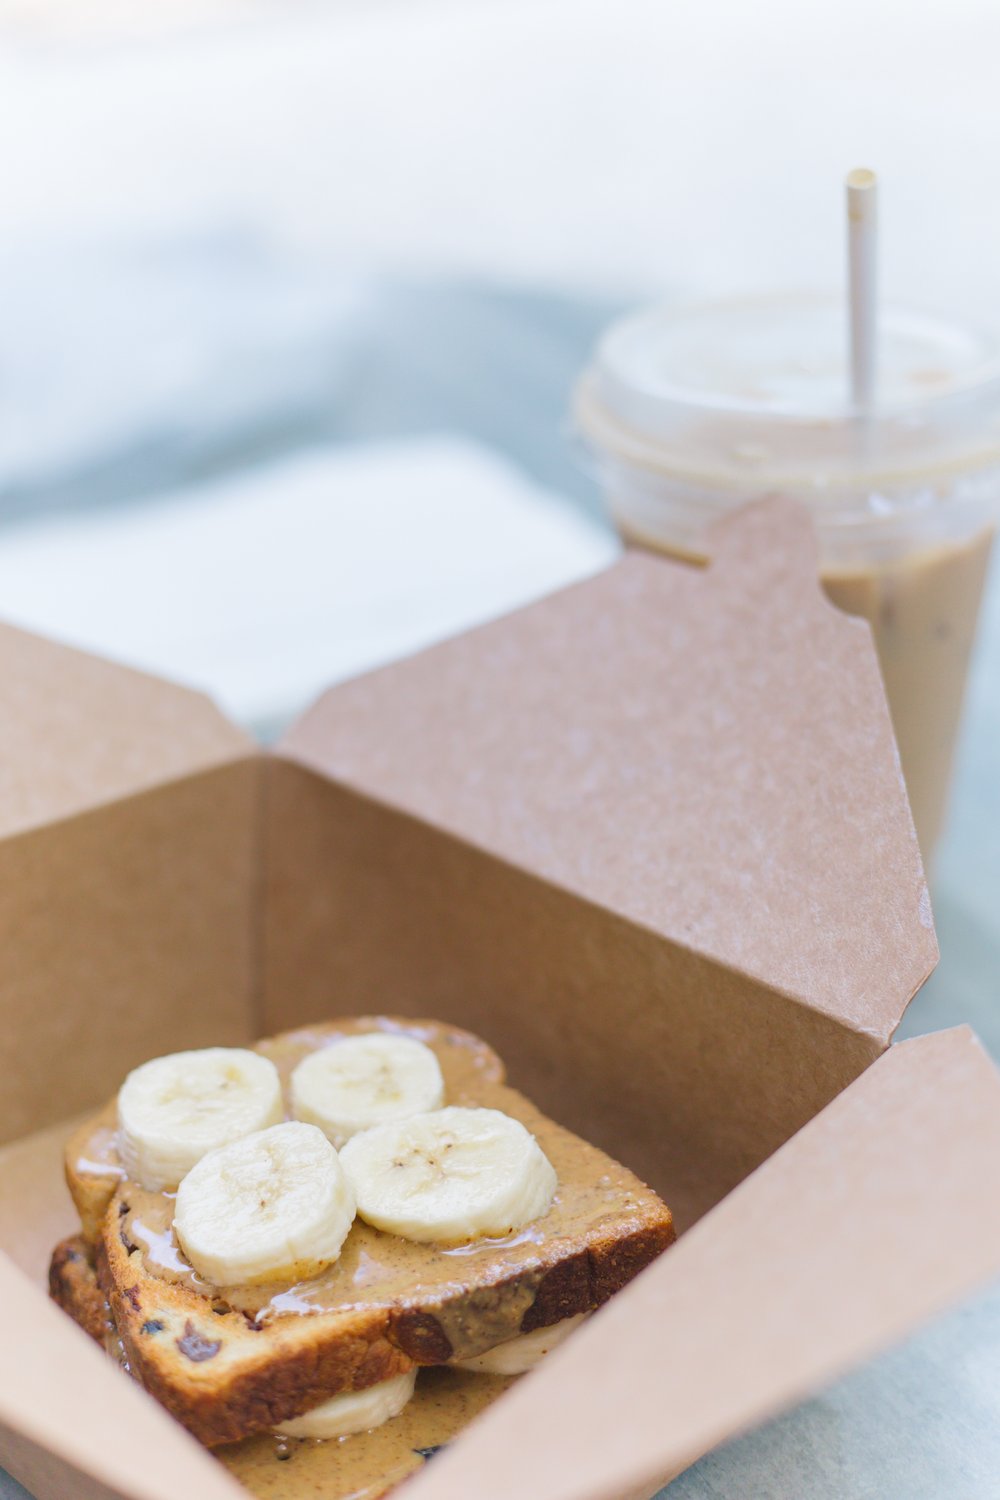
(188, 360)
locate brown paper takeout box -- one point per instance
(650, 838)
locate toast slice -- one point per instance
(73, 1284)
(231, 1362)
(371, 1464)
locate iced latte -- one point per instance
(692, 413)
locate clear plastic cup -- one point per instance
(690, 413)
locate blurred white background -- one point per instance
(291, 299)
(195, 199)
(231, 231)
(637, 145)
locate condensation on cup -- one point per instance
(691, 412)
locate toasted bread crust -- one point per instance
(73, 1285)
(226, 1376)
(218, 1374)
(587, 1280)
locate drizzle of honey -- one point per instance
(88, 1168)
(161, 1252)
(531, 1235)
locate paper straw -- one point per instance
(862, 255)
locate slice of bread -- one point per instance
(93, 1169)
(370, 1464)
(73, 1284)
(229, 1362)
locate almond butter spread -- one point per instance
(443, 1302)
(593, 1194)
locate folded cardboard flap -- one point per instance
(707, 754)
(663, 803)
(80, 732)
(71, 1425)
(877, 1215)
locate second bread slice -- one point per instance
(229, 1362)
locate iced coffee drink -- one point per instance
(690, 414)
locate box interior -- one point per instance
(685, 938)
(129, 825)
(685, 1070)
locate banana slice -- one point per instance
(452, 1175)
(174, 1109)
(275, 1205)
(354, 1411)
(363, 1081)
(518, 1356)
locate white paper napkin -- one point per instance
(264, 587)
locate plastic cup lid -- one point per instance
(764, 382)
